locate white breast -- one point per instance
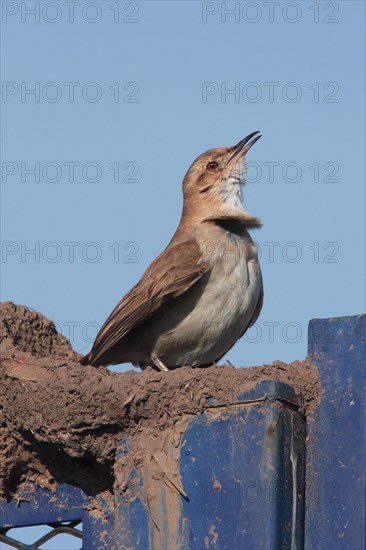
(222, 312)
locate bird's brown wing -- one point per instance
(168, 276)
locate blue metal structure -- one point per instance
(63, 511)
(335, 495)
(255, 473)
(242, 468)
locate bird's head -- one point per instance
(213, 182)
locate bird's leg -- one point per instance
(158, 363)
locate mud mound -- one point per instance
(24, 330)
(63, 422)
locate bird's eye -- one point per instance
(211, 166)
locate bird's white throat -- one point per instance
(231, 193)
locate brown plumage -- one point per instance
(204, 290)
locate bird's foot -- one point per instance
(159, 364)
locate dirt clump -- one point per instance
(24, 330)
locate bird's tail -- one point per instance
(85, 360)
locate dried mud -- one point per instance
(62, 422)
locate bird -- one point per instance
(203, 292)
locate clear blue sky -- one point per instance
(147, 90)
(148, 97)
(164, 84)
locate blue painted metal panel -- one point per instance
(132, 517)
(243, 472)
(335, 487)
(37, 506)
(99, 532)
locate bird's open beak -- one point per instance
(243, 147)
